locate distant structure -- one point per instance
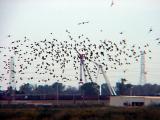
(12, 77)
(132, 101)
(142, 69)
(82, 69)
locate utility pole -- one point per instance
(57, 93)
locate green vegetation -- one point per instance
(89, 113)
(89, 89)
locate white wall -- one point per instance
(120, 100)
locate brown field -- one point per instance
(55, 102)
(77, 111)
(93, 113)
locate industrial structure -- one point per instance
(143, 69)
(122, 101)
(12, 77)
(83, 69)
(100, 68)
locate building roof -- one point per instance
(149, 97)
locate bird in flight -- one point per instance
(121, 33)
(150, 30)
(83, 22)
(125, 70)
(112, 3)
(9, 35)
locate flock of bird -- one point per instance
(54, 59)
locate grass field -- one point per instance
(79, 113)
(54, 102)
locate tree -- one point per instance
(90, 89)
(120, 87)
(9, 91)
(49, 89)
(26, 88)
(71, 90)
(58, 86)
(128, 89)
(105, 89)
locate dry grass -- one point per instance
(90, 113)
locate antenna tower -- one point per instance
(12, 77)
(82, 68)
(143, 69)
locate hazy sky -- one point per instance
(37, 18)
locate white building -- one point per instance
(121, 101)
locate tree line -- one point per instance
(88, 89)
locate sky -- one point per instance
(37, 18)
